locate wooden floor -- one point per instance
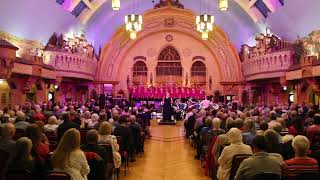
(167, 157)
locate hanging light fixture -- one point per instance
(205, 25)
(133, 24)
(223, 5)
(116, 5)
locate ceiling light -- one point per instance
(223, 5)
(205, 25)
(116, 5)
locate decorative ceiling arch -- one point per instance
(218, 44)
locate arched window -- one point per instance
(169, 69)
(169, 54)
(198, 73)
(140, 73)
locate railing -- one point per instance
(279, 61)
(71, 65)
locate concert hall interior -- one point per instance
(159, 89)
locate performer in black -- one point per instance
(167, 108)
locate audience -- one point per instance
(260, 162)
(219, 134)
(69, 158)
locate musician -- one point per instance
(205, 103)
(167, 107)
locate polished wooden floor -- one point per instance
(167, 157)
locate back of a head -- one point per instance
(316, 119)
(259, 143)
(23, 148)
(301, 145)
(263, 125)
(65, 116)
(34, 133)
(92, 136)
(272, 141)
(8, 130)
(277, 127)
(250, 124)
(123, 119)
(95, 117)
(52, 120)
(234, 136)
(239, 123)
(105, 128)
(273, 115)
(103, 116)
(208, 121)
(132, 118)
(216, 122)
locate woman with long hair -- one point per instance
(69, 158)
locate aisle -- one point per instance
(167, 157)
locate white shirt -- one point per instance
(205, 103)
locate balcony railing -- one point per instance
(71, 65)
(267, 66)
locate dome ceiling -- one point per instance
(38, 19)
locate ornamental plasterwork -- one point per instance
(186, 52)
(183, 22)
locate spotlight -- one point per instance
(56, 86)
(284, 88)
(1, 81)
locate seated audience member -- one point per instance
(94, 120)
(310, 118)
(114, 120)
(125, 112)
(126, 136)
(40, 146)
(301, 163)
(136, 134)
(7, 144)
(260, 162)
(274, 147)
(52, 125)
(69, 158)
(38, 116)
(23, 161)
(91, 145)
(67, 124)
(56, 111)
(284, 130)
(263, 126)
(250, 131)
(216, 129)
(226, 157)
(102, 118)
(20, 122)
(106, 138)
(315, 128)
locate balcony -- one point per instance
(271, 65)
(71, 65)
(308, 67)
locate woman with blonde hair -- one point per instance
(106, 138)
(69, 158)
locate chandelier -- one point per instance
(116, 5)
(133, 24)
(223, 5)
(205, 25)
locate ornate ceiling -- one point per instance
(38, 19)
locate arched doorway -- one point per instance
(198, 73)
(169, 69)
(139, 73)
